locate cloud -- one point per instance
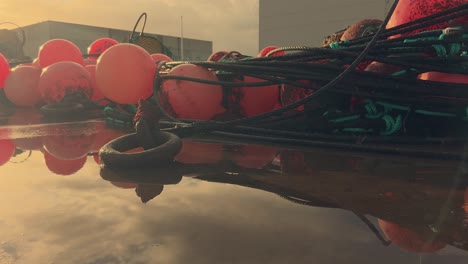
(230, 24)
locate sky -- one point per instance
(230, 24)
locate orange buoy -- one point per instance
(290, 94)
(379, 67)
(97, 94)
(192, 100)
(410, 10)
(63, 167)
(157, 57)
(444, 77)
(22, 86)
(124, 73)
(64, 78)
(199, 153)
(264, 52)
(4, 70)
(250, 101)
(409, 240)
(361, 29)
(57, 50)
(99, 46)
(217, 56)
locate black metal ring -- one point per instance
(112, 154)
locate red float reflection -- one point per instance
(409, 240)
(63, 167)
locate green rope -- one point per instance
(392, 125)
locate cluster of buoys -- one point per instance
(406, 11)
(120, 72)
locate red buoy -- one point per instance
(99, 46)
(57, 50)
(264, 52)
(64, 78)
(4, 70)
(192, 100)
(410, 10)
(22, 86)
(217, 56)
(361, 29)
(290, 94)
(250, 101)
(157, 57)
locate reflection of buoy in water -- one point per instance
(199, 153)
(292, 162)
(68, 147)
(250, 101)
(254, 156)
(192, 100)
(147, 192)
(63, 167)
(410, 10)
(7, 149)
(64, 78)
(409, 240)
(59, 50)
(22, 86)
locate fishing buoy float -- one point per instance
(59, 50)
(22, 86)
(410, 10)
(265, 51)
(362, 28)
(290, 94)
(250, 101)
(124, 73)
(97, 94)
(157, 57)
(217, 56)
(4, 70)
(99, 46)
(192, 100)
(409, 240)
(64, 78)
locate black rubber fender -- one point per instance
(112, 154)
